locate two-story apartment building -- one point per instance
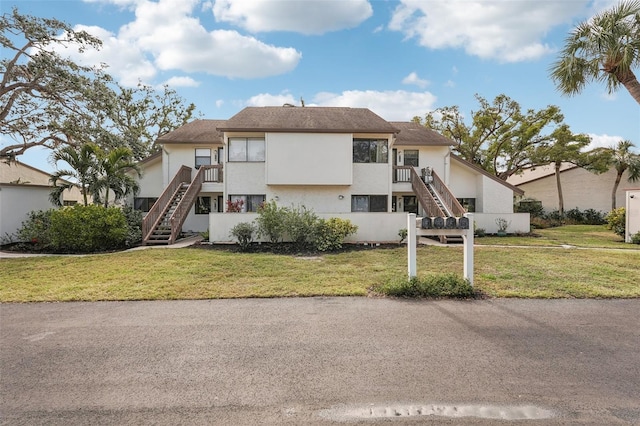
(341, 162)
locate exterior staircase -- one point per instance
(161, 233)
(436, 200)
(163, 223)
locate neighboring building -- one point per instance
(24, 189)
(632, 213)
(580, 188)
(341, 162)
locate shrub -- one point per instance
(235, 206)
(403, 233)
(36, 230)
(616, 221)
(480, 232)
(271, 221)
(329, 234)
(444, 285)
(134, 226)
(243, 233)
(299, 224)
(531, 206)
(574, 215)
(86, 229)
(635, 238)
(593, 217)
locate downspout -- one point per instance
(447, 167)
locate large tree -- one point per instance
(43, 95)
(604, 48)
(501, 138)
(564, 147)
(49, 100)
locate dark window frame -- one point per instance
(375, 203)
(367, 151)
(417, 157)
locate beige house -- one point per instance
(580, 188)
(340, 162)
(23, 189)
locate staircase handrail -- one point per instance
(154, 216)
(447, 196)
(182, 209)
(425, 198)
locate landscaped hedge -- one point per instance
(80, 229)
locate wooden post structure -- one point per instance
(411, 244)
(463, 226)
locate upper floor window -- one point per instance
(246, 149)
(370, 151)
(411, 157)
(203, 157)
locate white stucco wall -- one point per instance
(16, 201)
(463, 182)
(519, 222)
(174, 156)
(496, 198)
(580, 188)
(372, 227)
(151, 180)
(632, 207)
(308, 159)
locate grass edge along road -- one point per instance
(196, 273)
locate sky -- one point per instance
(400, 59)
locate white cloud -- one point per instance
(181, 82)
(267, 99)
(398, 105)
(508, 31)
(413, 78)
(165, 35)
(602, 141)
(219, 103)
(306, 17)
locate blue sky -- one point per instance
(399, 58)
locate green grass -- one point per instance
(594, 236)
(192, 273)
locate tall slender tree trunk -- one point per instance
(615, 189)
(559, 185)
(631, 83)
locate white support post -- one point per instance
(467, 238)
(411, 244)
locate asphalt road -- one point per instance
(321, 361)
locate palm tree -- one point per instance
(83, 164)
(604, 48)
(622, 159)
(566, 148)
(112, 175)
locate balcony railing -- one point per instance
(402, 174)
(446, 196)
(213, 173)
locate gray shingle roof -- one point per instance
(308, 119)
(197, 131)
(414, 134)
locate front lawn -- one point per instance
(198, 273)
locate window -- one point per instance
(469, 204)
(410, 203)
(203, 157)
(249, 203)
(203, 205)
(246, 149)
(411, 157)
(370, 151)
(368, 203)
(144, 204)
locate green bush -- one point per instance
(445, 285)
(134, 226)
(329, 234)
(86, 229)
(635, 238)
(271, 221)
(403, 233)
(616, 221)
(36, 230)
(243, 233)
(299, 224)
(531, 206)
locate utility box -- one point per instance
(632, 213)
